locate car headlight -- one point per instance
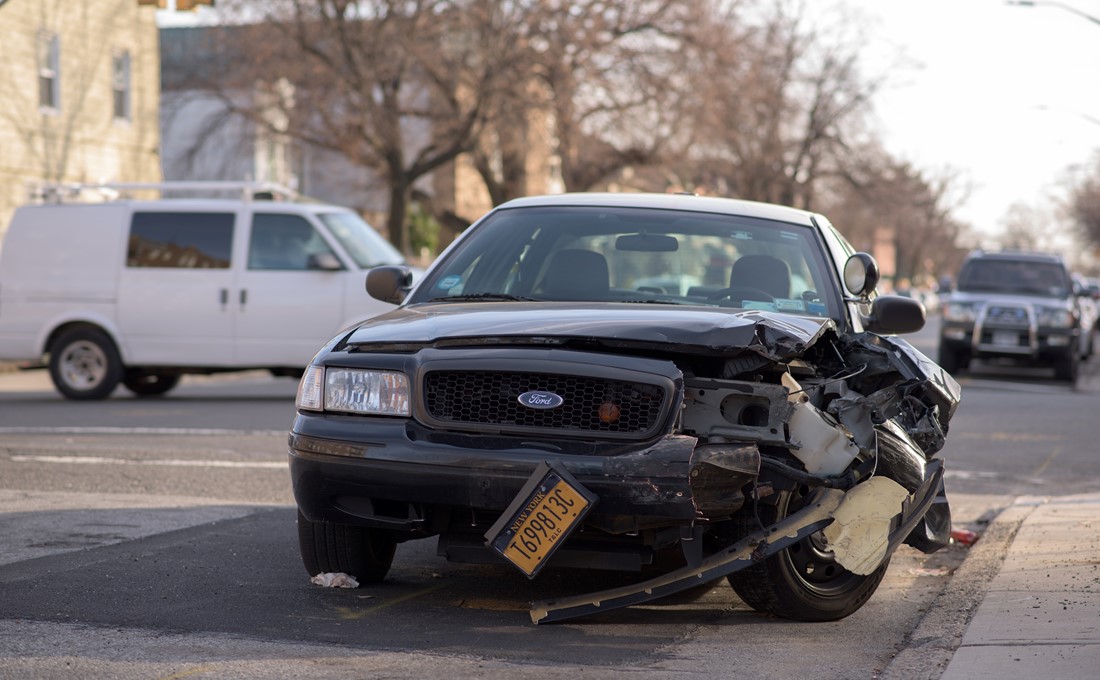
(352, 390)
(1055, 317)
(959, 311)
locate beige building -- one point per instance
(79, 94)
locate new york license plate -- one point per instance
(544, 513)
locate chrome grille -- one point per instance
(589, 405)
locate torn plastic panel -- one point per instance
(754, 548)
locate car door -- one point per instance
(291, 290)
(174, 289)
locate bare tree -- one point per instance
(400, 86)
(1084, 203)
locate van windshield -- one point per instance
(365, 245)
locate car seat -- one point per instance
(763, 272)
(575, 274)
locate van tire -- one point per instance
(149, 383)
(84, 364)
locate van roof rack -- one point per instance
(61, 192)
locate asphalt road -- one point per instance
(155, 538)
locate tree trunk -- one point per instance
(395, 224)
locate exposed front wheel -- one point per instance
(361, 552)
(84, 364)
(149, 384)
(804, 582)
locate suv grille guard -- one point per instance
(755, 547)
(1031, 330)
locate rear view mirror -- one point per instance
(324, 262)
(390, 283)
(894, 314)
(647, 243)
(860, 274)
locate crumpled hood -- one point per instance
(774, 335)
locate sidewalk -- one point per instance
(1040, 615)
(1024, 604)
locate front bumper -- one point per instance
(1035, 343)
(399, 473)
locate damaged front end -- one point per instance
(814, 460)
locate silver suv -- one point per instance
(1012, 305)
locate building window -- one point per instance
(49, 71)
(120, 85)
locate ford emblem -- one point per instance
(540, 400)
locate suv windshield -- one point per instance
(363, 243)
(1046, 279)
(636, 255)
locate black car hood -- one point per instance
(771, 334)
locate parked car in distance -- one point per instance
(537, 401)
(144, 291)
(1013, 305)
(1088, 311)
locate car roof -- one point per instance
(1017, 255)
(724, 206)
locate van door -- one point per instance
(174, 291)
(291, 293)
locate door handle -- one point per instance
(244, 297)
(224, 296)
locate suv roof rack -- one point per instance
(60, 192)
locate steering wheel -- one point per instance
(743, 293)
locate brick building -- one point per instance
(79, 95)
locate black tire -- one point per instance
(84, 364)
(952, 360)
(361, 552)
(802, 582)
(1067, 366)
(149, 384)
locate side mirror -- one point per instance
(389, 283)
(861, 274)
(324, 261)
(894, 315)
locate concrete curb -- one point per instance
(933, 642)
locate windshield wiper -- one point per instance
(491, 297)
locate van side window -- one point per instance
(180, 240)
(283, 242)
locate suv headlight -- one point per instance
(352, 390)
(1055, 317)
(960, 311)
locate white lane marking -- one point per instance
(138, 430)
(99, 460)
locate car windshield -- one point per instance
(637, 256)
(1046, 279)
(365, 245)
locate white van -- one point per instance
(143, 291)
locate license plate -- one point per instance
(1006, 338)
(544, 513)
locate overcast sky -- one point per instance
(1007, 95)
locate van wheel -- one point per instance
(149, 384)
(361, 552)
(84, 364)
